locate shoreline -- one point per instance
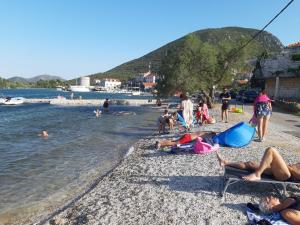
(89, 188)
(150, 187)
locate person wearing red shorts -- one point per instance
(186, 138)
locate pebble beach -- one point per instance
(154, 187)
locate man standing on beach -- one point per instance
(225, 97)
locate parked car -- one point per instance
(239, 96)
(249, 96)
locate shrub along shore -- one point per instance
(154, 187)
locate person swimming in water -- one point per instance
(98, 112)
(44, 134)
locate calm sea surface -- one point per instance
(37, 174)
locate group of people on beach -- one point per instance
(187, 112)
(271, 163)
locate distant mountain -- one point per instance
(44, 77)
(265, 41)
(18, 79)
(35, 79)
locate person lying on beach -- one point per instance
(207, 136)
(289, 208)
(272, 163)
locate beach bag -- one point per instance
(201, 147)
(253, 121)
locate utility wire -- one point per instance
(260, 31)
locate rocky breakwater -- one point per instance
(73, 102)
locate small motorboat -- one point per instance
(12, 101)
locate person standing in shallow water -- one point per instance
(225, 97)
(106, 105)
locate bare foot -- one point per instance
(252, 177)
(222, 161)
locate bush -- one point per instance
(296, 57)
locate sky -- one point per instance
(72, 38)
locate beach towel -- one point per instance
(274, 218)
(187, 112)
(201, 147)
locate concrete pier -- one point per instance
(91, 101)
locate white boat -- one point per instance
(12, 101)
(79, 88)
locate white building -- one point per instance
(84, 81)
(110, 83)
(150, 78)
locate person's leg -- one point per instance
(273, 160)
(265, 125)
(226, 115)
(239, 165)
(292, 216)
(259, 126)
(222, 114)
(165, 143)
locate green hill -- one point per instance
(265, 41)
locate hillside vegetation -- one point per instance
(232, 35)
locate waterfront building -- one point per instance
(110, 83)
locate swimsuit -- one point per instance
(262, 109)
(185, 139)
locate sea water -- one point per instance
(39, 174)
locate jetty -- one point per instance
(74, 102)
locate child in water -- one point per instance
(97, 112)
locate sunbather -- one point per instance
(186, 138)
(272, 163)
(289, 208)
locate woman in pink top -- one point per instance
(262, 111)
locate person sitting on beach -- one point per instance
(43, 134)
(207, 136)
(202, 114)
(289, 208)
(162, 121)
(172, 121)
(272, 163)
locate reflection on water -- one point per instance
(36, 174)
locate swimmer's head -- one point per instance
(45, 133)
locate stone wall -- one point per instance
(289, 88)
(280, 64)
(288, 106)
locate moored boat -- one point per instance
(12, 101)
(79, 88)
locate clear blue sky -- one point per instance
(71, 38)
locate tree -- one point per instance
(198, 66)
